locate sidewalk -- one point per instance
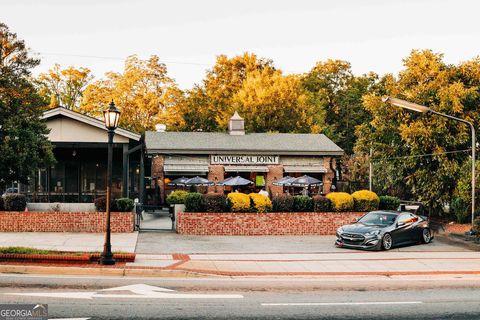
(241, 256)
(69, 241)
(324, 264)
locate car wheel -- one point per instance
(387, 241)
(426, 235)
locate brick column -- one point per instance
(274, 173)
(157, 172)
(328, 176)
(216, 173)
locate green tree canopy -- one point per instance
(337, 94)
(420, 150)
(24, 146)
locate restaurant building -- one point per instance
(143, 165)
(259, 157)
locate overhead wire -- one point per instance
(422, 155)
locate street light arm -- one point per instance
(453, 118)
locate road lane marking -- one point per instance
(69, 319)
(137, 291)
(342, 303)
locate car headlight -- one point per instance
(373, 233)
(340, 230)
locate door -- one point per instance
(404, 229)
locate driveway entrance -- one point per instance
(153, 218)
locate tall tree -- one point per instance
(338, 95)
(64, 87)
(270, 101)
(209, 106)
(143, 93)
(421, 150)
(24, 146)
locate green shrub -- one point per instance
(460, 209)
(260, 203)
(101, 204)
(15, 202)
(282, 203)
(1, 204)
(389, 203)
(194, 202)
(476, 226)
(123, 205)
(302, 204)
(215, 202)
(321, 204)
(177, 197)
(341, 201)
(365, 200)
(239, 202)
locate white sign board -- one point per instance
(243, 159)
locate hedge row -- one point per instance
(234, 202)
(13, 202)
(117, 205)
(362, 201)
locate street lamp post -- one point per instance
(111, 116)
(423, 109)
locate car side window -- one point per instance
(404, 218)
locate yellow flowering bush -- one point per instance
(341, 201)
(365, 200)
(261, 203)
(238, 202)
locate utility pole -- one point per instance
(370, 170)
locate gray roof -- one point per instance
(253, 143)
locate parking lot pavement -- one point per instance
(164, 243)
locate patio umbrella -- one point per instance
(235, 181)
(285, 181)
(198, 181)
(178, 182)
(305, 181)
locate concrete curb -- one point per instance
(198, 273)
(457, 242)
(122, 272)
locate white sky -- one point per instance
(374, 35)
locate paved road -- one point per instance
(441, 303)
(161, 242)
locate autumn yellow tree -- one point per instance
(270, 101)
(209, 106)
(64, 87)
(144, 93)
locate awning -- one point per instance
(246, 169)
(313, 169)
(185, 168)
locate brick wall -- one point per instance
(216, 173)
(274, 173)
(64, 221)
(272, 223)
(157, 172)
(329, 175)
